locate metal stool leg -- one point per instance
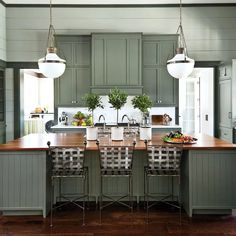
(84, 186)
(180, 205)
(52, 196)
(147, 197)
(88, 203)
(100, 205)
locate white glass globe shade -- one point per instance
(180, 66)
(52, 66)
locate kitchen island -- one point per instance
(208, 177)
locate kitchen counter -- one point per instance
(207, 173)
(39, 142)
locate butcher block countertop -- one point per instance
(38, 142)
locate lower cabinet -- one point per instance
(225, 134)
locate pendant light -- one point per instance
(51, 66)
(180, 66)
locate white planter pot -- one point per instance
(117, 133)
(145, 133)
(91, 133)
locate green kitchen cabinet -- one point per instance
(160, 86)
(157, 83)
(2, 106)
(225, 103)
(75, 82)
(116, 62)
(226, 98)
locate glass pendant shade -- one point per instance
(180, 66)
(52, 66)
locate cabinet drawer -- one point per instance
(226, 134)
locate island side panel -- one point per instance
(212, 181)
(23, 183)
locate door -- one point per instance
(196, 102)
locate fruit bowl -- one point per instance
(179, 138)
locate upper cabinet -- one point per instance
(75, 82)
(157, 83)
(116, 62)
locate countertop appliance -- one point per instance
(63, 119)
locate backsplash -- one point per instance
(110, 113)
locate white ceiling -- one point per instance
(116, 1)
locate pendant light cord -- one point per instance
(51, 31)
(50, 12)
(182, 42)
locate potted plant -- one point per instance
(117, 99)
(143, 103)
(92, 101)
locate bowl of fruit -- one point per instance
(178, 137)
(81, 119)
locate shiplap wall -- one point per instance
(2, 32)
(210, 31)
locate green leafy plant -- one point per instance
(117, 99)
(92, 101)
(143, 103)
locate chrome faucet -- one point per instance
(127, 119)
(104, 120)
(123, 117)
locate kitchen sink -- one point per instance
(122, 124)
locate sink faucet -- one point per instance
(104, 120)
(123, 117)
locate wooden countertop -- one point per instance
(39, 142)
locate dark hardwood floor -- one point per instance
(118, 222)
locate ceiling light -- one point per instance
(180, 66)
(51, 66)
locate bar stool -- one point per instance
(68, 162)
(163, 161)
(116, 161)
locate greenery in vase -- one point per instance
(92, 101)
(117, 99)
(143, 103)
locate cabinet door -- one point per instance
(2, 107)
(66, 52)
(225, 103)
(65, 88)
(226, 134)
(116, 60)
(166, 51)
(2, 96)
(150, 84)
(167, 88)
(150, 53)
(82, 84)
